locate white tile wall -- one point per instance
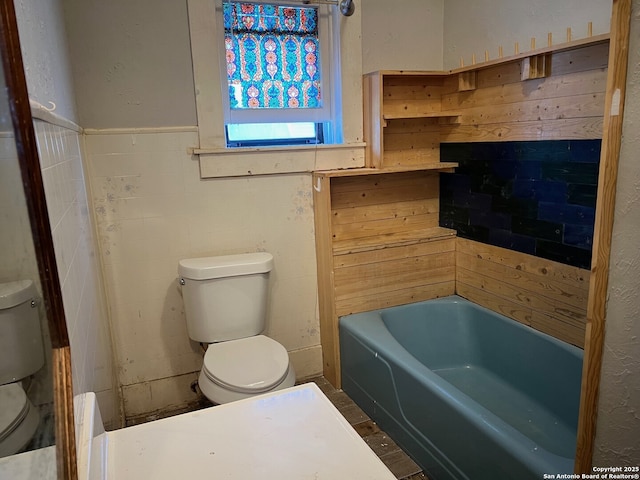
(78, 266)
(152, 209)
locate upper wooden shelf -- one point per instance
(400, 115)
(560, 47)
(353, 172)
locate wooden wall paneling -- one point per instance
(393, 276)
(394, 253)
(355, 231)
(385, 211)
(396, 274)
(380, 189)
(564, 129)
(379, 242)
(575, 106)
(407, 96)
(526, 263)
(587, 58)
(495, 303)
(578, 83)
(567, 104)
(414, 141)
(571, 299)
(542, 313)
(394, 298)
(567, 331)
(324, 259)
(372, 122)
(546, 295)
(605, 209)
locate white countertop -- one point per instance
(291, 434)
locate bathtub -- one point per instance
(468, 393)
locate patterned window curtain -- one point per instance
(272, 56)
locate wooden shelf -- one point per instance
(353, 172)
(391, 240)
(435, 115)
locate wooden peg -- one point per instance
(500, 52)
(473, 59)
(549, 39)
(568, 34)
(516, 48)
(533, 43)
(486, 55)
(590, 29)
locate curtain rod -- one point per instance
(347, 7)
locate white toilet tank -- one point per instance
(225, 298)
(20, 334)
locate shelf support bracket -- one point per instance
(536, 66)
(467, 80)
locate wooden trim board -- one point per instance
(605, 207)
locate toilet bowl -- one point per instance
(243, 368)
(19, 419)
(22, 356)
(225, 302)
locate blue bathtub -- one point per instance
(468, 393)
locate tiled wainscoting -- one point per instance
(74, 240)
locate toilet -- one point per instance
(225, 303)
(22, 356)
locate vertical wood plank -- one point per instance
(324, 257)
(596, 309)
(66, 461)
(373, 127)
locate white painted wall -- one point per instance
(152, 210)
(471, 27)
(131, 62)
(405, 35)
(45, 57)
(617, 440)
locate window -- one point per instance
(275, 74)
(338, 119)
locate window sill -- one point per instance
(249, 161)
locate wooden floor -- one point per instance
(391, 455)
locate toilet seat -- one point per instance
(18, 419)
(248, 365)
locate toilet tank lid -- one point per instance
(206, 268)
(15, 293)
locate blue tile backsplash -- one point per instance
(535, 197)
